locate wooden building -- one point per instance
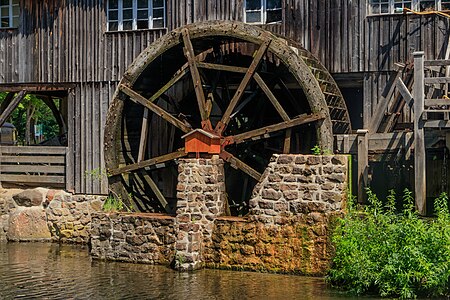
(79, 50)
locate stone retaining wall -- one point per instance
(143, 238)
(46, 215)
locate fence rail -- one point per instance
(32, 166)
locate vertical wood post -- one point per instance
(363, 163)
(419, 140)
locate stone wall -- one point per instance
(143, 238)
(297, 185)
(201, 198)
(46, 215)
(301, 245)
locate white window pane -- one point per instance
(142, 4)
(127, 14)
(253, 4)
(5, 22)
(427, 5)
(15, 2)
(4, 2)
(253, 17)
(113, 4)
(271, 4)
(158, 23)
(142, 14)
(16, 10)
(127, 4)
(113, 26)
(113, 15)
(384, 8)
(127, 25)
(15, 22)
(158, 3)
(273, 16)
(141, 24)
(4, 12)
(158, 13)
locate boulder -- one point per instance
(28, 224)
(30, 198)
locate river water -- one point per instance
(52, 271)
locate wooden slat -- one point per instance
(239, 164)
(156, 190)
(33, 179)
(31, 169)
(437, 102)
(218, 67)
(53, 160)
(154, 108)
(443, 62)
(32, 150)
(240, 91)
(435, 80)
(437, 124)
(404, 92)
(147, 163)
(271, 97)
(303, 119)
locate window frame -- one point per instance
(263, 8)
(150, 19)
(11, 17)
(415, 5)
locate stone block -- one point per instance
(28, 224)
(270, 194)
(314, 160)
(300, 159)
(28, 198)
(339, 160)
(285, 159)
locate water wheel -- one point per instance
(257, 92)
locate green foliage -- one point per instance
(316, 150)
(40, 112)
(393, 255)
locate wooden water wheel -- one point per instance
(253, 90)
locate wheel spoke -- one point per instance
(147, 163)
(190, 55)
(134, 96)
(271, 97)
(239, 164)
(258, 133)
(240, 91)
(144, 134)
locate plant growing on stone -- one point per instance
(316, 150)
(393, 254)
(113, 202)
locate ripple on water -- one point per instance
(51, 271)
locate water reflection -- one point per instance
(51, 271)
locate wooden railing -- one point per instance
(33, 166)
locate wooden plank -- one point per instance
(437, 102)
(287, 141)
(271, 97)
(239, 164)
(31, 169)
(32, 150)
(240, 91)
(303, 119)
(436, 124)
(190, 55)
(363, 164)
(441, 62)
(179, 75)
(23, 179)
(9, 97)
(436, 80)
(147, 163)
(144, 134)
(53, 160)
(156, 191)
(419, 138)
(12, 105)
(404, 92)
(219, 67)
(154, 108)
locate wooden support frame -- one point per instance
(239, 164)
(363, 164)
(240, 91)
(419, 138)
(12, 105)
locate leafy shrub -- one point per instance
(401, 255)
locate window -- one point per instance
(262, 11)
(136, 14)
(9, 13)
(395, 6)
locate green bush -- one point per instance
(396, 255)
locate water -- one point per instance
(51, 271)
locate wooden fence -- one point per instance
(33, 166)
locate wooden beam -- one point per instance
(134, 96)
(419, 137)
(147, 163)
(437, 102)
(239, 164)
(271, 97)
(300, 120)
(180, 74)
(219, 67)
(9, 109)
(190, 55)
(378, 115)
(363, 163)
(144, 134)
(24, 179)
(404, 92)
(6, 102)
(240, 91)
(56, 113)
(287, 141)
